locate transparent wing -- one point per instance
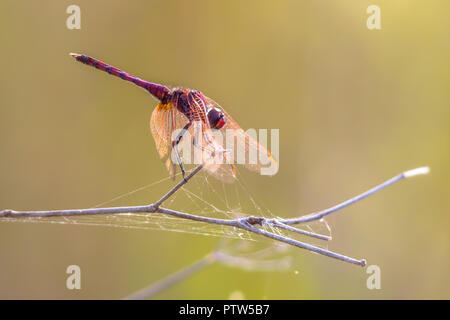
(164, 121)
(243, 147)
(213, 156)
(220, 149)
(217, 163)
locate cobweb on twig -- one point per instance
(204, 195)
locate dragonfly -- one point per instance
(177, 112)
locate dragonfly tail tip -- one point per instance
(75, 55)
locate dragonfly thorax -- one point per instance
(195, 107)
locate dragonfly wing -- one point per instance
(164, 121)
(244, 145)
(216, 160)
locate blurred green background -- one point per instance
(354, 107)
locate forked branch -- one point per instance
(251, 224)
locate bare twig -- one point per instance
(321, 214)
(178, 186)
(170, 280)
(249, 223)
(218, 255)
(279, 224)
(249, 227)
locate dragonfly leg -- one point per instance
(208, 142)
(198, 145)
(175, 147)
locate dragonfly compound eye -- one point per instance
(216, 118)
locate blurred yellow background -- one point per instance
(354, 107)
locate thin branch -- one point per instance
(178, 186)
(246, 223)
(277, 223)
(321, 214)
(292, 242)
(172, 279)
(218, 255)
(253, 264)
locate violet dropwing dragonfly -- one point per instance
(177, 111)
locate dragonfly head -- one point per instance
(216, 118)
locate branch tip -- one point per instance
(416, 172)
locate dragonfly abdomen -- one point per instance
(159, 91)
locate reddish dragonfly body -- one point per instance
(178, 110)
